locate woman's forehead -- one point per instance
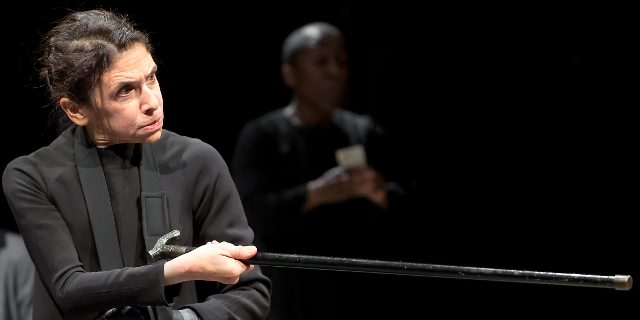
(129, 64)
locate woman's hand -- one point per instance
(339, 184)
(212, 262)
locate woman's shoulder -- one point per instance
(178, 151)
(171, 143)
(47, 162)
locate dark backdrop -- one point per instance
(512, 127)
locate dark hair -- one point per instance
(75, 54)
(305, 36)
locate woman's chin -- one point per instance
(154, 137)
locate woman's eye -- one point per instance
(125, 91)
(152, 78)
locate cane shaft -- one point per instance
(618, 282)
(441, 271)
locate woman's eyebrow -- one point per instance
(120, 84)
(153, 70)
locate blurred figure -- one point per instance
(297, 198)
(16, 278)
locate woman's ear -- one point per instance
(77, 113)
(289, 79)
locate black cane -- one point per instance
(619, 282)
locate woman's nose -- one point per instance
(148, 101)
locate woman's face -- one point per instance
(128, 101)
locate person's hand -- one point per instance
(339, 184)
(376, 189)
(212, 262)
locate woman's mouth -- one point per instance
(153, 125)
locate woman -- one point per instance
(99, 70)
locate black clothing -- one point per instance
(273, 161)
(16, 278)
(120, 164)
(43, 190)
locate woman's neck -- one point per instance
(99, 137)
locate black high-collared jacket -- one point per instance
(44, 192)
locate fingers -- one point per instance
(219, 261)
(334, 175)
(356, 173)
(243, 252)
(237, 252)
(247, 267)
(340, 184)
(368, 179)
(235, 278)
(334, 171)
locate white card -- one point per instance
(352, 156)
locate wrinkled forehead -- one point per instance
(130, 63)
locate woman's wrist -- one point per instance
(175, 272)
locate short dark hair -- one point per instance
(74, 55)
(302, 37)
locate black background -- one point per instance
(512, 126)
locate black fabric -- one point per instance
(96, 196)
(120, 164)
(149, 174)
(155, 215)
(44, 192)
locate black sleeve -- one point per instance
(270, 209)
(50, 245)
(219, 215)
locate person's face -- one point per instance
(321, 73)
(128, 101)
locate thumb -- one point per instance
(243, 252)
